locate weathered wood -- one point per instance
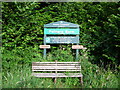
(38, 64)
(56, 67)
(81, 80)
(77, 47)
(45, 46)
(56, 70)
(57, 75)
(54, 62)
(43, 66)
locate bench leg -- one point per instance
(55, 79)
(81, 80)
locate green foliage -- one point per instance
(22, 33)
(99, 25)
(20, 27)
(62, 55)
(96, 77)
(19, 76)
(17, 57)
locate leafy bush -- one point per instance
(99, 31)
(19, 75)
(99, 25)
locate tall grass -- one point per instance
(17, 71)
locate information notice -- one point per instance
(62, 39)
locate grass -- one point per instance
(16, 71)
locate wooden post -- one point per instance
(81, 80)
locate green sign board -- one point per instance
(62, 39)
(61, 31)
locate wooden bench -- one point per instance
(57, 69)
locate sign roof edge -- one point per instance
(61, 24)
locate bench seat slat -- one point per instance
(48, 69)
(54, 62)
(56, 67)
(57, 74)
(55, 70)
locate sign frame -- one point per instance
(69, 29)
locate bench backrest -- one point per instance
(56, 66)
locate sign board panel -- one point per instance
(62, 39)
(61, 28)
(61, 31)
(78, 47)
(44, 46)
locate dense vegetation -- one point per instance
(22, 33)
(19, 75)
